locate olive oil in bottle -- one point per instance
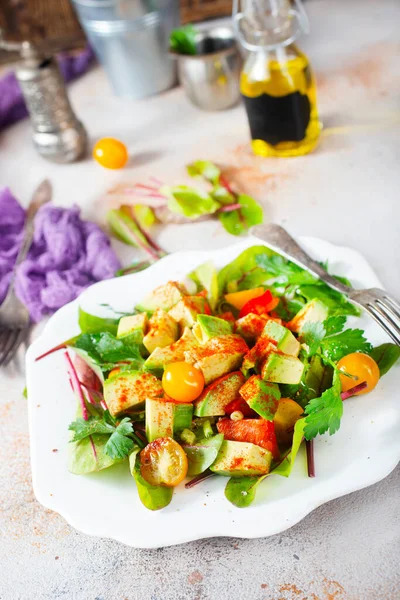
(277, 84)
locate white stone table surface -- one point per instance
(346, 192)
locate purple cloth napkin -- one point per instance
(12, 104)
(67, 255)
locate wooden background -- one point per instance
(55, 22)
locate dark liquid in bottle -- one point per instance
(276, 119)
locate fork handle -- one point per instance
(278, 239)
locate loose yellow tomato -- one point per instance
(163, 462)
(114, 372)
(362, 367)
(182, 382)
(285, 418)
(239, 299)
(110, 153)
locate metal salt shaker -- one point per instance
(57, 133)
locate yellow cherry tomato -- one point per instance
(285, 418)
(239, 299)
(114, 372)
(182, 382)
(163, 462)
(110, 153)
(362, 367)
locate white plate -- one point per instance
(364, 451)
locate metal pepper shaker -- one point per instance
(57, 133)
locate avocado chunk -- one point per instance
(163, 331)
(186, 310)
(160, 357)
(236, 459)
(257, 354)
(282, 368)
(312, 312)
(163, 296)
(250, 326)
(208, 327)
(164, 418)
(218, 395)
(217, 357)
(130, 388)
(133, 328)
(262, 396)
(284, 339)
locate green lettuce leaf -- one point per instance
(239, 221)
(189, 202)
(203, 453)
(385, 355)
(206, 277)
(153, 497)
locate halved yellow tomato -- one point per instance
(163, 462)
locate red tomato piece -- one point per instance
(260, 305)
(240, 404)
(255, 431)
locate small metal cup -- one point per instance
(211, 77)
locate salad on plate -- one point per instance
(223, 374)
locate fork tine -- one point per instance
(392, 305)
(8, 343)
(382, 318)
(14, 348)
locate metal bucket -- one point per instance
(131, 40)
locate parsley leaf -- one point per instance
(120, 445)
(312, 334)
(336, 346)
(283, 270)
(334, 324)
(324, 413)
(83, 429)
(105, 349)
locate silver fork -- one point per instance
(14, 317)
(382, 307)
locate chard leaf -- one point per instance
(221, 195)
(93, 324)
(203, 453)
(153, 497)
(239, 221)
(240, 268)
(385, 355)
(284, 468)
(88, 455)
(206, 169)
(189, 202)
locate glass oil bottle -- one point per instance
(276, 83)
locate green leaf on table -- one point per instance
(241, 491)
(239, 221)
(385, 355)
(324, 413)
(334, 347)
(125, 229)
(144, 214)
(89, 323)
(203, 453)
(153, 497)
(206, 169)
(183, 40)
(189, 202)
(206, 277)
(222, 195)
(241, 268)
